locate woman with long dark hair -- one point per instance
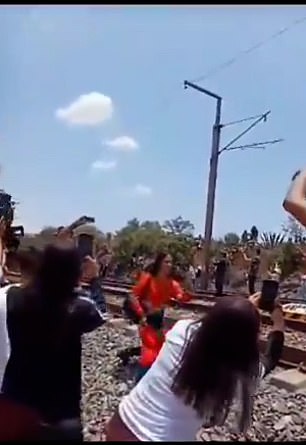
(202, 367)
(147, 303)
(45, 322)
(156, 288)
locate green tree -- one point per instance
(148, 238)
(290, 259)
(231, 239)
(293, 230)
(178, 226)
(254, 233)
(271, 240)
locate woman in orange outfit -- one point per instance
(151, 295)
(152, 340)
(156, 289)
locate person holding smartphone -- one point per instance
(193, 381)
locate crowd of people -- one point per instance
(188, 377)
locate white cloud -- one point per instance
(122, 143)
(142, 190)
(88, 109)
(104, 165)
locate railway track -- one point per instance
(296, 322)
(291, 358)
(198, 295)
(202, 301)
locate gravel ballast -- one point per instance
(278, 415)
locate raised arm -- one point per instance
(294, 202)
(276, 337)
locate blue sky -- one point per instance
(94, 119)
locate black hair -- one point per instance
(221, 356)
(28, 261)
(155, 320)
(155, 267)
(58, 273)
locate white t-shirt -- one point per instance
(151, 411)
(4, 338)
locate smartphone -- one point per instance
(85, 245)
(269, 292)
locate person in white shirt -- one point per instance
(201, 369)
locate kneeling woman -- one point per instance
(151, 295)
(195, 378)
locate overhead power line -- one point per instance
(249, 50)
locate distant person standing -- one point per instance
(253, 269)
(221, 267)
(191, 277)
(198, 275)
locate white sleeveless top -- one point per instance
(151, 411)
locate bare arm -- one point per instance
(294, 202)
(276, 337)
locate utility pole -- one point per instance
(212, 179)
(213, 168)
